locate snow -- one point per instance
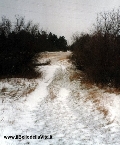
(69, 111)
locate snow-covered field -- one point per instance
(57, 104)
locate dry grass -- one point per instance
(88, 84)
(16, 87)
(47, 55)
(96, 98)
(62, 58)
(51, 94)
(58, 55)
(93, 94)
(79, 75)
(44, 63)
(110, 122)
(103, 110)
(111, 90)
(13, 93)
(3, 89)
(30, 90)
(75, 76)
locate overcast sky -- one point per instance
(61, 17)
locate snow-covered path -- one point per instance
(61, 108)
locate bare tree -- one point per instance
(108, 23)
(19, 24)
(5, 26)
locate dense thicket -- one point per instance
(98, 53)
(19, 45)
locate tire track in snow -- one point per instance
(70, 121)
(21, 119)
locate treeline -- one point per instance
(20, 43)
(98, 53)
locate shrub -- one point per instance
(21, 43)
(98, 53)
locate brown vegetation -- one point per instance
(98, 54)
